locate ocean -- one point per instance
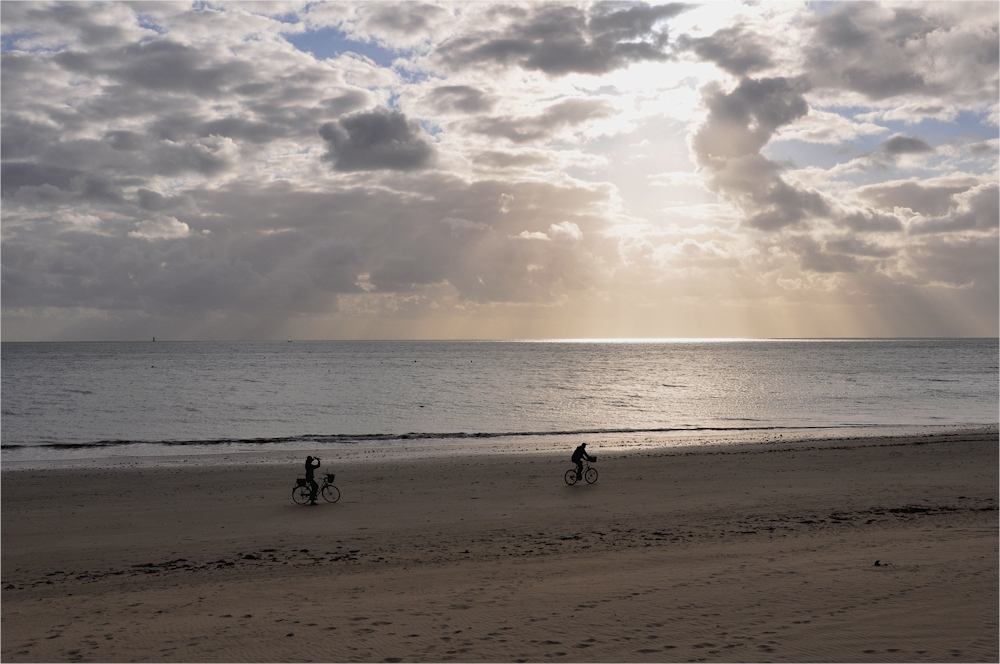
(73, 400)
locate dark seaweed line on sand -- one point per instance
(504, 544)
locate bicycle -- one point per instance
(589, 474)
(302, 491)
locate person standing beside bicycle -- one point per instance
(310, 479)
(579, 454)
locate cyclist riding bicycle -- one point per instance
(579, 454)
(313, 485)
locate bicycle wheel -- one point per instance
(590, 475)
(300, 495)
(570, 476)
(331, 494)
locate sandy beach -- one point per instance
(757, 552)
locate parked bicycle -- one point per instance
(302, 491)
(589, 474)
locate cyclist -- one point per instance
(579, 454)
(313, 485)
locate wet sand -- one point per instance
(762, 552)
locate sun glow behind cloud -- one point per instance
(499, 170)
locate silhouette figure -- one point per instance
(579, 454)
(313, 485)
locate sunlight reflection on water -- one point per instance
(252, 393)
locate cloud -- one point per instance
(504, 203)
(159, 65)
(565, 231)
(407, 19)
(16, 175)
(376, 140)
(565, 114)
(189, 166)
(461, 99)
(826, 127)
(868, 220)
(160, 229)
(913, 113)
(905, 145)
(512, 159)
(393, 25)
(727, 147)
(559, 39)
(919, 51)
(976, 209)
(931, 197)
(55, 184)
(734, 49)
(815, 258)
(154, 201)
(855, 47)
(742, 121)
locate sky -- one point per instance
(498, 170)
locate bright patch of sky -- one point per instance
(330, 43)
(150, 23)
(13, 42)
(968, 128)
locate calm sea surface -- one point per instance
(104, 396)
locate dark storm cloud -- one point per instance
(905, 145)
(562, 114)
(376, 140)
(727, 146)
(734, 49)
(559, 39)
